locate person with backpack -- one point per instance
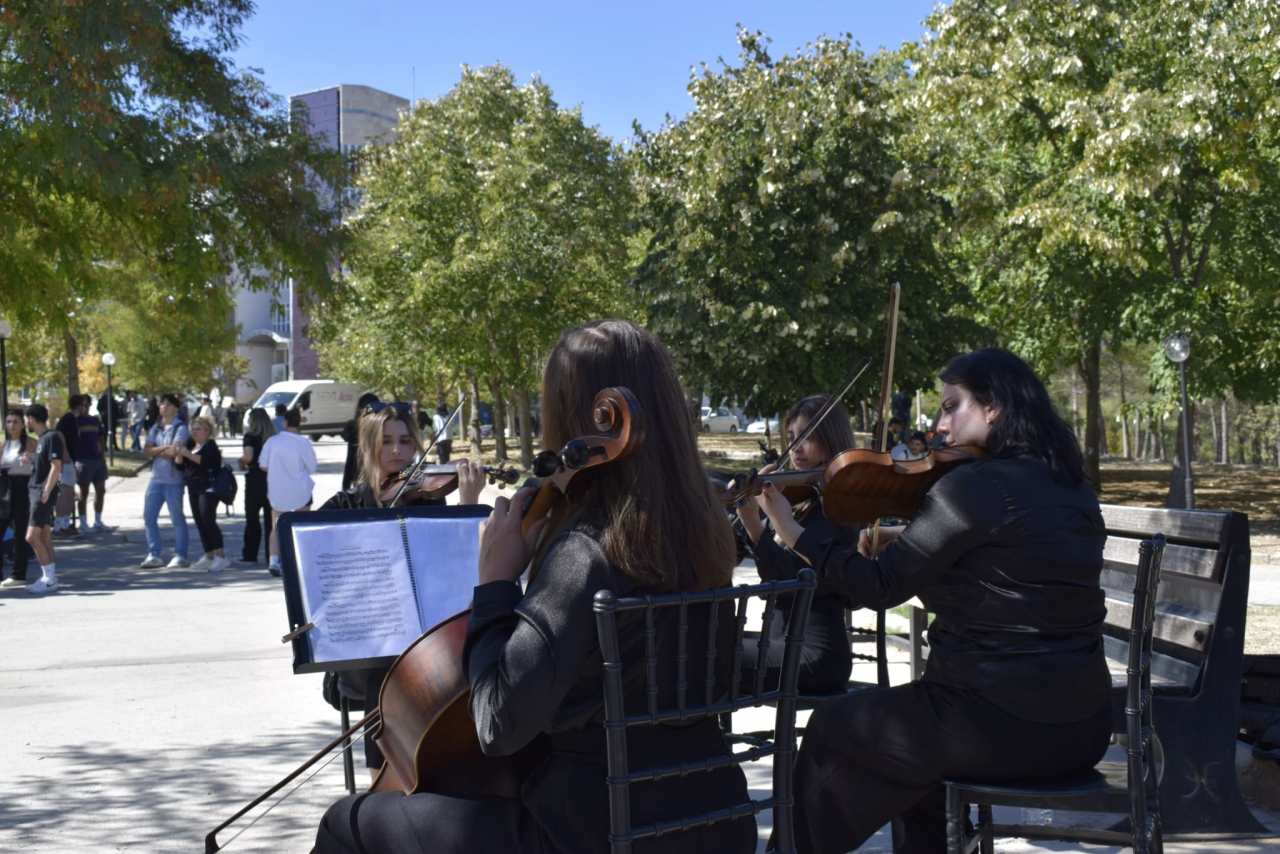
(200, 461)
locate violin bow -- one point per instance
(422, 460)
(850, 378)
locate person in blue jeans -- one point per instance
(167, 487)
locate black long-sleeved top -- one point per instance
(826, 661)
(1009, 562)
(535, 666)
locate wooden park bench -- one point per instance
(1199, 647)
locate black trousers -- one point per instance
(386, 822)
(443, 449)
(257, 513)
(825, 660)
(204, 509)
(881, 754)
(20, 515)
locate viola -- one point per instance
(437, 481)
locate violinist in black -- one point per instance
(649, 522)
(388, 440)
(1007, 553)
(825, 661)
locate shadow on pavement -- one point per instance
(167, 800)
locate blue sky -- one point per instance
(618, 61)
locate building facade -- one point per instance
(273, 325)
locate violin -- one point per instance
(425, 731)
(437, 481)
(861, 486)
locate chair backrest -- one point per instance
(708, 702)
(1143, 744)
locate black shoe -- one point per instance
(244, 561)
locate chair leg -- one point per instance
(986, 830)
(348, 763)
(955, 822)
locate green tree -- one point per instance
(778, 213)
(129, 138)
(1112, 169)
(493, 222)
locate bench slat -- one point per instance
(1201, 526)
(1191, 597)
(1182, 560)
(1177, 629)
(1168, 675)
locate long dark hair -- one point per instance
(834, 434)
(1027, 424)
(663, 525)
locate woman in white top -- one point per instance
(289, 461)
(15, 472)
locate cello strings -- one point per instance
(278, 801)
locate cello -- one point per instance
(424, 728)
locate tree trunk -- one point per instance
(1075, 405)
(439, 389)
(1124, 420)
(1139, 450)
(73, 364)
(1160, 440)
(1226, 435)
(1103, 447)
(526, 426)
(499, 410)
(1089, 372)
(474, 432)
(1217, 439)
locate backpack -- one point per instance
(224, 485)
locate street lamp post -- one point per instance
(1177, 348)
(5, 331)
(109, 359)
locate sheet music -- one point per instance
(446, 561)
(356, 589)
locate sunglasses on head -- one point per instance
(378, 407)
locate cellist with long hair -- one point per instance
(649, 522)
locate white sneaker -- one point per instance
(43, 586)
(12, 583)
(99, 528)
(178, 562)
(151, 562)
(219, 564)
(202, 563)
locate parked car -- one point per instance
(718, 420)
(758, 426)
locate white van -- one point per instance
(326, 406)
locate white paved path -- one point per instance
(142, 706)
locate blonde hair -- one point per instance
(370, 432)
(204, 421)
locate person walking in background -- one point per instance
(278, 421)
(47, 463)
(64, 513)
(152, 416)
(136, 412)
(166, 486)
(200, 461)
(351, 435)
(443, 431)
(91, 468)
(289, 461)
(257, 510)
(915, 448)
(15, 470)
(233, 418)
